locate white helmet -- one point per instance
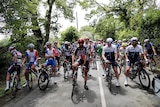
(66, 42)
(31, 45)
(48, 43)
(134, 39)
(11, 47)
(146, 40)
(109, 40)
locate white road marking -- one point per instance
(98, 65)
(103, 100)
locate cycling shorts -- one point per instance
(12, 68)
(51, 62)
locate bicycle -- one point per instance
(110, 74)
(44, 77)
(30, 78)
(13, 83)
(138, 70)
(67, 68)
(74, 95)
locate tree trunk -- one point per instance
(48, 17)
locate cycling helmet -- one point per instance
(134, 39)
(48, 43)
(119, 41)
(124, 44)
(66, 42)
(31, 45)
(146, 40)
(109, 40)
(80, 40)
(11, 47)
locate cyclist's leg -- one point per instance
(114, 64)
(53, 63)
(26, 73)
(18, 75)
(10, 70)
(86, 69)
(58, 62)
(128, 66)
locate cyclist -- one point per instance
(88, 47)
(32, 55)
(57, 52)
(50, 55)
(67, 52)
(149, 48)
(133, 54)
(122, 51)
(16, 64)
(109, 54)
(81, 59)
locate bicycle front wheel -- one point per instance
(74, 96)
(14, 87)
(144, 79)
(30, 81)
(43, 81)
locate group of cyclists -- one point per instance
(80, 53)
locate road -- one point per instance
(98, 94)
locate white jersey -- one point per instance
(50, 52)
(134, 52)
(109, 52)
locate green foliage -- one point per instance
(70, 34)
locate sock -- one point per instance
(7, 84)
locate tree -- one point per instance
(70, 34)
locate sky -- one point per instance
(66, 23)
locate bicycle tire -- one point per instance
(43, 81)
(14, 87)
(30, 81)
(74, 95)
(144, 75)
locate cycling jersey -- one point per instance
(81, 52)
(109, 52)
(67, 52)
(50, 61)
(99, 49)
(122, 51)
(57, 51)
(148, 48)
(32, 55)
(134, 52)
(19, 57)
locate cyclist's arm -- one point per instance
(116, 53)
(36, 56)
(154, 51)
(103, 54)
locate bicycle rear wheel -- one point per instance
(43, 81)
(144, 79)
(109, 80)
(14, 87)
(30, 81)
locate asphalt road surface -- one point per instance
(98, 94)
